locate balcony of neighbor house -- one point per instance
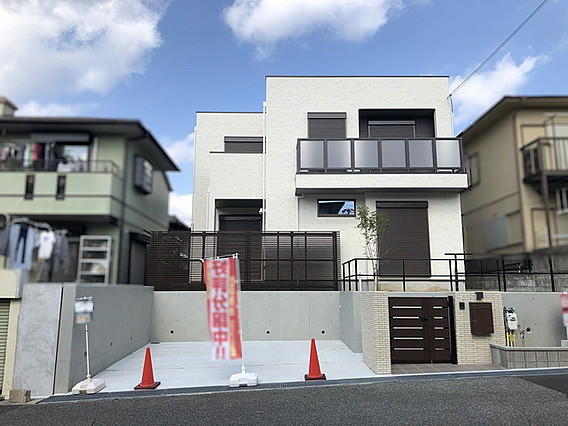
(55, 188)
(546, 163)
(425, 163)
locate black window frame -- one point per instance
(248, 144)
(319, 200)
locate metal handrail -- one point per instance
(60, 166)
(545, 154)
(380, 167)
(504, 270)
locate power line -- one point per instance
(513, 34)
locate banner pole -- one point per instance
(238, 274)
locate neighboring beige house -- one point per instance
(322, 147)
(517, 160)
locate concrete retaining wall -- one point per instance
(36, 342)
(180, 316)
(121, 324)
(529, 357)
(50, 347)
(540, 317)
(350, 313)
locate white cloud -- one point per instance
(485, 88)
(180, 206)
(34, 108)
(74, 45)
(264, 22)
(181, 150)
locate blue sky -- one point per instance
(160, 61)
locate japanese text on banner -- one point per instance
(223, 307)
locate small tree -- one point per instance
(372, 226)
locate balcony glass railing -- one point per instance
(61, 166)
(421, 155)
(545, 155)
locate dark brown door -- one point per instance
(420, 330)
(405, 240)
(242, 235)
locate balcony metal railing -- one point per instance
(386, 155)
(60, 166)
(545, 155)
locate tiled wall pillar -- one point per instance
(375, 331)
(475, 349)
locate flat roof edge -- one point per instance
(358, 76)
(228, 112)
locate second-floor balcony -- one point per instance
(59, 166)
(395, 156)
(546, 156)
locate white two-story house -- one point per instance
(323, 146)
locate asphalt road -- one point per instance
(491, 400)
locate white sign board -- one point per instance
(84, 311)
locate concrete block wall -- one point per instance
(50, 347)
(181, 316)
(375, 332)
(519, 357)
(475, 349)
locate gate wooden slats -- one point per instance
(419, 329)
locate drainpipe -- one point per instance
(121, 242)
(264, 166)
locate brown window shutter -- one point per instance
(481, 318)
(326, 125)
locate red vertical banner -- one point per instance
(222, 279)
(564, 306)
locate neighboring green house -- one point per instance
(91, 176)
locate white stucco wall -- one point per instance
(288, 101)
(223, 175)
(444, 222)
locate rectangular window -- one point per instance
(327, 125)
(29, 194)
(243, 144)
(143, 175)
(341, 208)
(60, 190)
(392, 129)
(472, 169)
(404, 246)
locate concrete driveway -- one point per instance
(189, 364)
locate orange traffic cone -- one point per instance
(147, 374)
(314, 372)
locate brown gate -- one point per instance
(420, 329)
